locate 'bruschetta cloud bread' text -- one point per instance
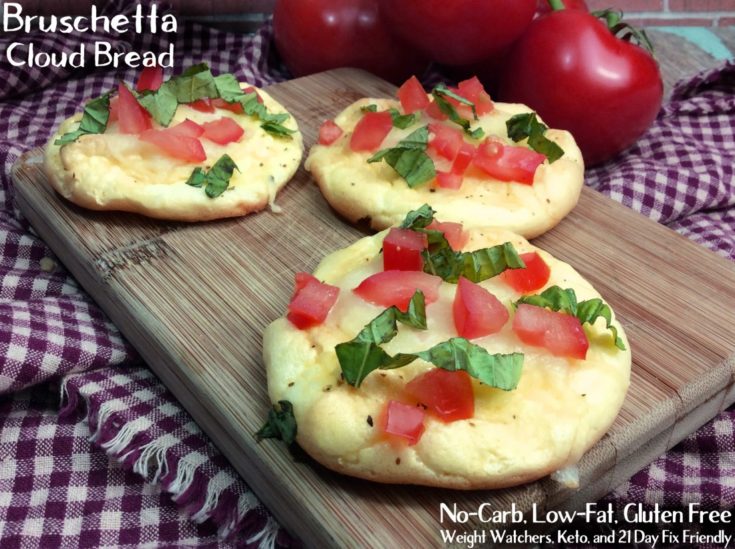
(456, 358)
(193, 148)
(472, 160)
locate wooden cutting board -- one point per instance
(194, 300)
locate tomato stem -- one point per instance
(556, 5)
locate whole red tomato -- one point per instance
(570, 68)
(458, 32)
(316, 35)
(543, 5)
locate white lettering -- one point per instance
(12, 10)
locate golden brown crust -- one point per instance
(358, 190)
(559, 410)
(120, 172)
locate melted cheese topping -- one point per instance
(560, 408)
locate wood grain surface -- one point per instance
(194, 300)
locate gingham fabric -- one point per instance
(67, 375)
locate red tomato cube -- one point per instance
(370, 131)
(446, 180)
(150, 78)
(435, 112)
(453, 232)
(463, 159)
(560, 333)
(188, 149)
(311, 302)
(202, 105)
(477, 312)
(131, 116)
(114, 108)
(446, 140)
(222, 131)
(402, 250)
(447, 394)
(403, 420)
(389, 288)
(187, 128)
(507, 162)
(474, 91)
(329, 132)
(532, 278)
(412, 96)
(232, 107)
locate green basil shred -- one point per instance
(564, 300)
(527, 126)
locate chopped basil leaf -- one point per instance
(161, 104)
(228, 87)
(409, 159)
(219, 175)
(526, 125)
(369, 108)
(197, 178)
(363, 354)
(401, 121)
(193, 84)
(94, 120)
(217, 179)
(564, 300)
(281, 423)
(419, 219)
(440, 93)
(502, 371)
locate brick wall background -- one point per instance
(697, 13)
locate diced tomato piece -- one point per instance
(412, 96)
(447, 180)
(446, 140)
(175, 145)
(389, 288)
(329, 132)
(131, 116)
(463, 159)
(202, 105)
(114, 109)
(477, 312)
(150, 78)
(371, 130)
(403, 420)
(232, 107)
(187, 128)
(311, 302)
(474, 91)
(533, 277)
(435, 112)
(508, 162)
(251, 89)
(222, 131)
(301, 279)
(453, 232)
(560, 333)
(402, 250)
(448, 394)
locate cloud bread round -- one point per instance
(560, 408)
(359, 190)
(112, 171)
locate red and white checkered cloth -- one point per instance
(59, 489)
